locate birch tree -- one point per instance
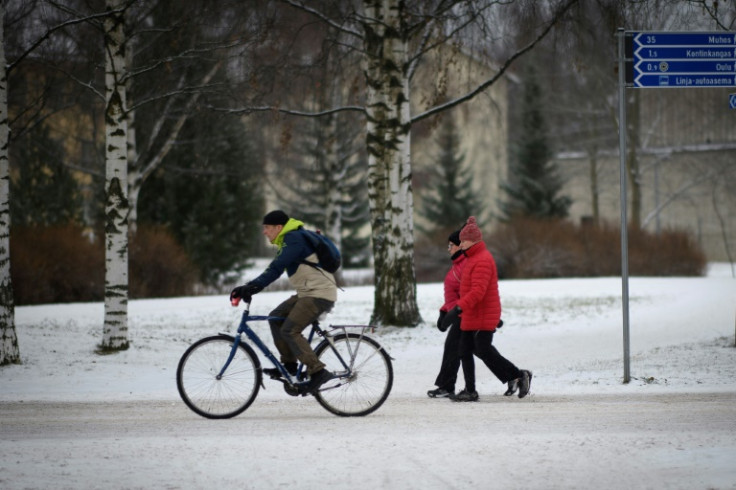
(115, 329)
(393, 36)
(179, 63)
(26, 42)
(9, 351)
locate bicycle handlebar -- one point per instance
(236, 302)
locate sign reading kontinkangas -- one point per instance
(681, 59)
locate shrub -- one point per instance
(671, 253)
(63, 264)
(55, 265)
(528, 248)
(158, 265)
(550, 248)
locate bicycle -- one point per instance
(219, 377)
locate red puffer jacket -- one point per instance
(479, 299)
(452, 282)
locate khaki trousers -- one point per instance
(298, 313)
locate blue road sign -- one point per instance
(685, 81)
(721, 38)
(684, 59)
(667, 66)
(685, 53)
(732, 101)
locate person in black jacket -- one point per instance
(447, 376)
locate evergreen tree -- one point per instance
(450, 197)
(44, 190)
(330, 190)
(534, 183)
(209, 193)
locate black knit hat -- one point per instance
(454, 237)
(277, 217)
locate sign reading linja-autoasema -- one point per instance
(681, 59)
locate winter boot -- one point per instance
(318, 379)
(466, 396)
(440, 393)
(275, 373)
(513, 386)
(525, 383)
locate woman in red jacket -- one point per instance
(447, 376)
(479, 308)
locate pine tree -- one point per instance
(535, 183)
(44, 190)
(329, 189)
(450, 198)
(209, 193)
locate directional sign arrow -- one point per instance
(685, 39)
(661, 80)
(685, 53)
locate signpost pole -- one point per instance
(624, 213)
(661, 60)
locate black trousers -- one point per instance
(450, 359)
(480, 343)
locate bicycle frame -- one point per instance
(219, 376)
(245, 329)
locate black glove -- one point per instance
(245, 292)
(500, 323)
(439, 320)
(452, 318)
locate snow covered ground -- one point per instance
(73, 419)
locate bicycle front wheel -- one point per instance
(366, 382)
(205, 391)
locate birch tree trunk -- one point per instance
(9, 351)
(115, 330)
(389, 164)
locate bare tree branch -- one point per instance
(425, 45)
(154, 162)
(675, 195)
(51, 31)
(289, 112)
(323, 18)
(712, 11)
(501, 71)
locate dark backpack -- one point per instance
(328, 255)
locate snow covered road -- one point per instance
(681, 440)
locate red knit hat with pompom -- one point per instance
(470, 231)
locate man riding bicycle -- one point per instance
(316, 293)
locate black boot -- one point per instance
(275, 373)
(318, 379)
(525, 383)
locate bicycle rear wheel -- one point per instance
(212, 396)
(369, 382)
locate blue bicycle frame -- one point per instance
(244, 328)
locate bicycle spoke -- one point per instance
(369, 381)
(198, 383)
